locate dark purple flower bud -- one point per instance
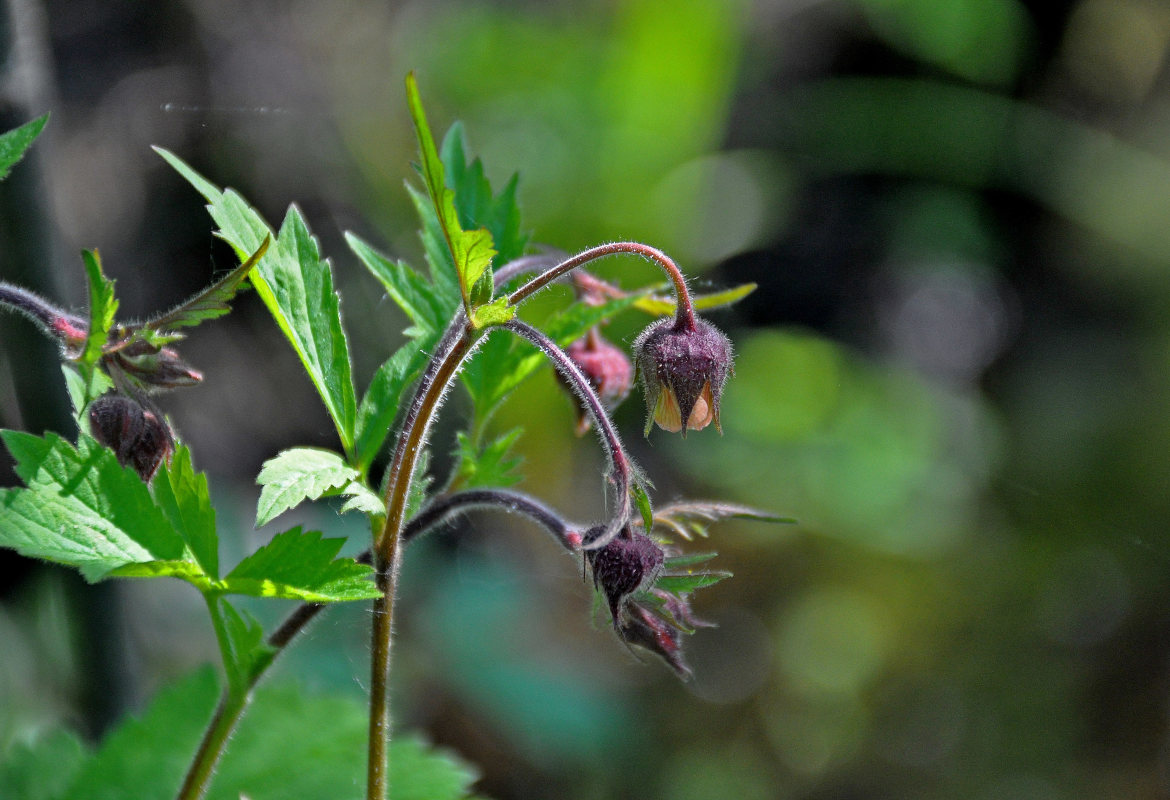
(607, 369)
(683, 370)
(650, 631)
(156, 367)
(628, 563)
(137, 435)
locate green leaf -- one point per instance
(145, 758)
(296, 744)
(692, 518)
(493, 465)
(674, 563)
(296, 287)
(362, 498)
(296, 475)
(420, 302)
(380, 405)
(420, 485)
(291, 743)
(84, 390)
(212, 302)
(81, 508)
(42, 769)
(471, 251)
(496, 312)
(181, 493)
(246, 654)
(682, 584)
(444, 277)
(662, 306)
(301, 566)
(476, 204)
(15, 142)
(102, 306)
(642, 501)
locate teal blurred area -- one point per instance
(955, 373)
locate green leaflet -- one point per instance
(471, 251)
(296, 285)
(425, 307)
(296, 475)
(245, 652)
(681, 584)
(15, 142)
(102, 306)
(81, 508)
(490, 465)
(300, 565)
(380, 404)
(662, 307)
(181, 493)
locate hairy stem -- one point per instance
(227, 714)
(685, 315)
(455, 346)
(621, 468)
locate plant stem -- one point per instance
(685, 315)
(621, 468)
(227, 714)
(455, 346)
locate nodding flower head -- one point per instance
(137, 435)
(607, 369)
(683, 369)
(630, 562)
(155, 368)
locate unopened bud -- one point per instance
(138, 437)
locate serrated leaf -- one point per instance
(380, 404)
(444, 278)
(16, 142)
(362, 498)
(81, 508)
(181, 493)
(296, 287)
(474, 201)
(246, 654)
(425, 307)
(471, 251)
(102, 306)
(301, 566)
(662, 306)
(296, 475)
(42, 769)
(491, 465)
(682, 584)
(212, 302)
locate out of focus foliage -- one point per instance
(955, 373)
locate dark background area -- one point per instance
(953, 373)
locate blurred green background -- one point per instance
(955, 372)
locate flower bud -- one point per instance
(138, 437)
(646, 629)
(629, 562)
(607, 369)
(683, 371)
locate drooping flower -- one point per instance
(628, 563)
(139, 437)
(683, 370)
(607, 369)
